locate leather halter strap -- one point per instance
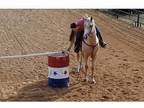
(93, 46)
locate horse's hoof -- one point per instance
(92, 81)
(78, 69)
(79, 79)
(84, 80)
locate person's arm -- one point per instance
(70, 45)
(72, 37)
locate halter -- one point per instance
(89, 32)
(93, 46)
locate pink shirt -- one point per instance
(80, 25)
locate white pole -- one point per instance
(27, 55)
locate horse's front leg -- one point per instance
(86, 67)
(93, 56)
(92, 69)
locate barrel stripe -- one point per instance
(58, 61)
(58, 73)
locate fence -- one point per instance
(132, 16)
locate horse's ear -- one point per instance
(91, 18)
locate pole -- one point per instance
(138, 20)
(27, 55)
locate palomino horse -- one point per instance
(89, 47)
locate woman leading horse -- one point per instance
(85, 34)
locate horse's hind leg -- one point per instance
(78, 62)
(79, 66)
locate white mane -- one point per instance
(89, 28)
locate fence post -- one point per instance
(134, 23)
(138, 20)
(117, 17)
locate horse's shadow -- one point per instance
(40, 91)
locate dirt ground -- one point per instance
(119, 67)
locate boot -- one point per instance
(102, 44)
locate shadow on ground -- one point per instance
(39, 91)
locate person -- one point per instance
(77, 29)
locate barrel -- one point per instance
(58, 70)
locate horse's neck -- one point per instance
(92, 39)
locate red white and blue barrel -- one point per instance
(58, 70)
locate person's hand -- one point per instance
(68, 49)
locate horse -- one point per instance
(90, 44)
(89, 48)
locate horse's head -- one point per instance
(89, 26)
